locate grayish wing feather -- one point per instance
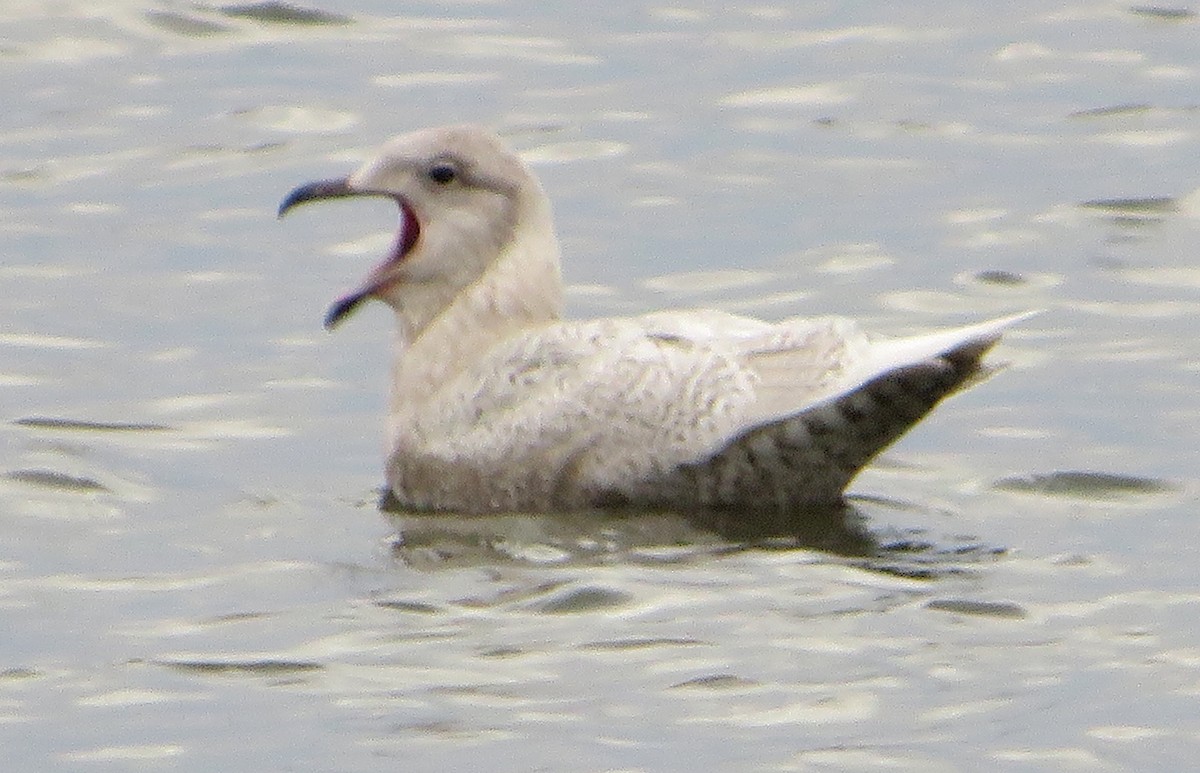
(557, 414)
(808, 458)
(675, 411)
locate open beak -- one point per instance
(345, 306)
(317, 191)
(406, 238)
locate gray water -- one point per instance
(195, 574)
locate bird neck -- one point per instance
(444, 330)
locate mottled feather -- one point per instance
(498, 404)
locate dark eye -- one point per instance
(442, 174)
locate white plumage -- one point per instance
(499, 405)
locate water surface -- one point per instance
(196, 574)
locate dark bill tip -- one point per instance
(322, 189)
(344, 308)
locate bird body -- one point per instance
(500, 405)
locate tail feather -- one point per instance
(808, 459)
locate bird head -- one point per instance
(461, 195)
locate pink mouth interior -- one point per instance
(407, 233)
(406, 238)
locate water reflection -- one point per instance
(597, 535)
(844, 533)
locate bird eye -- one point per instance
(442, 174)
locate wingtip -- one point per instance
(992, 328)
(1014, 319)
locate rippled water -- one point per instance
(196, 573)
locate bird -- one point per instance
(499, 404)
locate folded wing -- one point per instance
(683, 410)
(824, 410)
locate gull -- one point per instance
(498, 404)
